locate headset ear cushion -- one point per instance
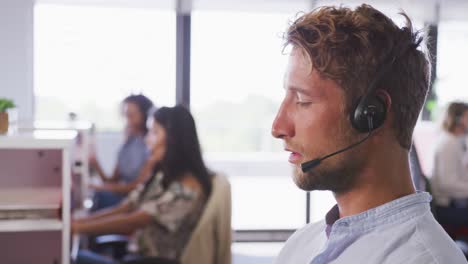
(457, 119)
(375, 108)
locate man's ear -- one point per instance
(387, 99)
(382, 94)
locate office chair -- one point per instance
(458, 233)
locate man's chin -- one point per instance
(318, 180)
(303, 180)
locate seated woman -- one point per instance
(132, 167)
(161, 214)
(449, 179)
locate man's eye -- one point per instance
(302, 97)
(302, 100)
(303, 104)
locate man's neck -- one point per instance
(384, 180)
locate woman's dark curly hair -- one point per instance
(144, 105)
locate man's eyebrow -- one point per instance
(298, 89)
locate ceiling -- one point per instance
(422, 10)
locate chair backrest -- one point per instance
(417, 174)
(420, 180)
(210, 242)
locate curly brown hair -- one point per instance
(350, 46)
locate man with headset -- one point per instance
(355, 85)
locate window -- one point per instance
(451, 53)
(88, 58)
(237, 87)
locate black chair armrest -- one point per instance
(111, 240)
(114, 246)
(150, 260)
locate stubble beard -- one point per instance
(338, 173)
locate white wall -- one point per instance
(16, 54)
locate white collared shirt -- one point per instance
(401, 231)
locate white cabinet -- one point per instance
(35, 194)
(79, 154)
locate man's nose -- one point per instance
(283, 125)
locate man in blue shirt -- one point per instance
(355, 85)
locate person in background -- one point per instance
(162, 213)
(355, 85)
(449, 179)
(132, 166)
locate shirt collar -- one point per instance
(398, 210)
(331, 217)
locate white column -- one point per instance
(66, 205)
(16, 54)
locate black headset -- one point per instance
(371, 110)
(457, 118)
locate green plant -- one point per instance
(6, 104)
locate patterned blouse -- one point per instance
(175, 211)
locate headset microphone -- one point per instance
(306, 166)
